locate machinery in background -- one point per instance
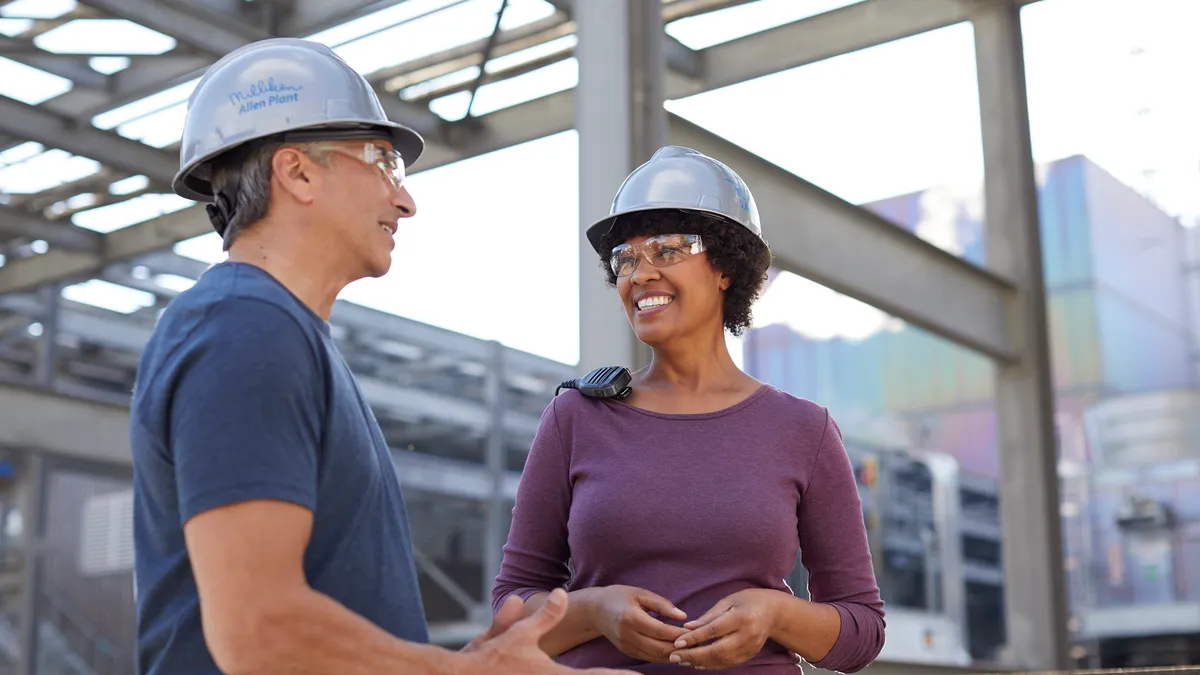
(934, 533)
(1136, 597)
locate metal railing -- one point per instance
(101, 655)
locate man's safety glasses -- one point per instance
(389, 162)
(660, 251)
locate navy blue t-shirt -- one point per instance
(242, 394)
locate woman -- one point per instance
(673, 516)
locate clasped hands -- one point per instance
(731, 632)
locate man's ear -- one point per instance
(293, 171)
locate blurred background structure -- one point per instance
(984, 215)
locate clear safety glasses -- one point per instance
(389, 162)
(663, 250)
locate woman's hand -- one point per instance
(732, 632)
(622, 614)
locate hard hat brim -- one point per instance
(595, 233)
(189, 184)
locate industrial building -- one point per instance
(1127, 405)
(1014, 392)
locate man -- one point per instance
(270, 530)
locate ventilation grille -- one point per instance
(106, 534)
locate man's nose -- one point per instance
(403, 201)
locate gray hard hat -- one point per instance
(680, 178)
(279, 87)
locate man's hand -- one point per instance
(515, 651)
(510, 612)
(622, 614)
(732, 632)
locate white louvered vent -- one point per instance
(106, 534)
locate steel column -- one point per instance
(621, 121)
(493, 523)
(1035, 588)
(33, 517)
(47, 354)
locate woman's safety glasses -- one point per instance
(387, 161)
(663, 250)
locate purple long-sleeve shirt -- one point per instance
(695, 508)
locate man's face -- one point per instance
(362, 201)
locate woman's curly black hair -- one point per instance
(731, 248)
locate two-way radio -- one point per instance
(605, 382)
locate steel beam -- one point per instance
(840, 31)
(621, 121)
(788, 46)
(113, 330)
(70, 66)
(1035, 592)
(311, 16)
(14, 223)
(893, 269)
(368, 323)
(54, 131)
(216, 39)
(146, 237)
(679, 57)
(471, 53)
(34, 420)
(822, 237)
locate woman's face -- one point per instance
(669, 287)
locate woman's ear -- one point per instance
(725, 282)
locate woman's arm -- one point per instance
(841, 578)
(576, 627)
(808, 628)
(536, 553)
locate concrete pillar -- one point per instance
(621, 122)
(1035, 588)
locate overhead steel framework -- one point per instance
(68, 366)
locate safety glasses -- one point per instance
(660, 251)
(389, 162)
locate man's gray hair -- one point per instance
(253, 196)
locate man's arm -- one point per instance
(247, 405)
(260, 616)
(245, 427)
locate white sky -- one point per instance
(893, 119)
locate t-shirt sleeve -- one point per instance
(837, 556)
(536, 554)
(246, 410)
